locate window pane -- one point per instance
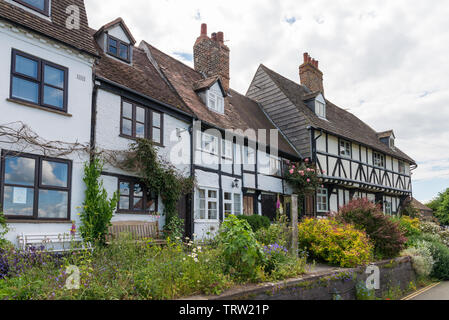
(127, 110)
(227, 196)
(127, 127)
(140, 114)
(140, 130)
(55, 174)
(25, 90)
(138, 191)
(213, 213)
(157, 135)
(213, 194)
(124, 51)
(54, 97)
(113, 46)
(18, 201)
(38, 4)
(202, 194)
(124, 203)
(53, 204)
(156, 120)
(237, 204)
(228, 208)
(26, 66)
(124, 188)
(138, 203)
(54, 76)
(19, 171)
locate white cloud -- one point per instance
(390, 55)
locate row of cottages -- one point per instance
(357, 161)
(69, 89)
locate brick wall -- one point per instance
(310, 74)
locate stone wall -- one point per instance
(338, 284)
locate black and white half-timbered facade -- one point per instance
(357, 161)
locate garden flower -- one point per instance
(308, 180)
(292, 171)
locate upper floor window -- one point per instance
(141, 122)
(275, 166)
(35, 187)
(379, 160)
(39, 82)
(226, 149)
(320, 109)
(41, 6)
(388, 208)
(209, 143)
(402, 167)
(215, 101)
(322, 200)
(392, 146)
(118, 48)
(136, 198)
(249, 156)
(345, 148)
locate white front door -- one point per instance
(207, 220)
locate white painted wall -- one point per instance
(49, 126)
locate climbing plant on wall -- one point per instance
(158, 175)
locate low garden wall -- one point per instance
(337, 284)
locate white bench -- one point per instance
(61, 242)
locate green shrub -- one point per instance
(275, 233)
(174, 228)
(97, 208)
(242, 253)
(256, 222)
(422, 259)
(334, 242)
(3, 231)
(440, 254)
(385, 234)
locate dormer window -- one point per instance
(215, 101)
(392, 143)
(118, 48)
(41, 6)
(320, 109)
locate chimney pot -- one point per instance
(214, 36)
(306, 57)
(204, 29)
(220, 37)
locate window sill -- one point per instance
(135, 139)
(31, 105)
(38, 221)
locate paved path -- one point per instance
(440, 292)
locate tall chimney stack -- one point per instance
(310, 74)
(211, 56)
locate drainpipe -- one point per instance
(93, 122)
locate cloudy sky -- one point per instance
(384, 61)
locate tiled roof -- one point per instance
(204, 83)
(240, 112)
(339, 121)
(140, 76)
(56, 28)
(418, 205)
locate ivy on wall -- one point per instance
(158, 175)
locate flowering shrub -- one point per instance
(440, 254)
(409, 226)
(303, 177)
(422, 258)
(275, 255)
(386, 235)
(3, 231)
(430, 227)
(334, 242)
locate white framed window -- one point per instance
(249, 156)
(226, 149)
(388, 208)
(379, 160)
(215, 101)
(392, 143)
(401, 167)
(345, 149)
(206, 204)
(275, 166)
(320, 109)
(322, 200)
(209, 143)
(232, 203)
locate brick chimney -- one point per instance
(310, 74)
(211, 56)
